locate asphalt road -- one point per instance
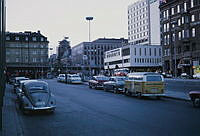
(87, 112)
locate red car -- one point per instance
(97, 82)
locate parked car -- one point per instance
(19, 88)
(196, 76)
(185, 76)
(73, 79)
(144, 84)
(36, 96)
(61, 78)
(195, 98)
(17, 81)
(167, 75)
(115, 84)
(97, 81)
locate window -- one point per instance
(167, 12)
(155, 52)
(17, 38)
(185, 6)
(150, 51)
(34, 38)
(183, 33)
(140, 51)
(178, 8)
(26, 38)
(159, 52)
(187, 33)
(173, 37)
(135, 51)
(172, 11)
(192, 3)
(179, 35)
(145, 51)
(193, 18)
(17, 60)
(7, 38)
(193, 32)
(179, 22)
(42, 39)
(183, 20)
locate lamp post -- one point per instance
(89, 19)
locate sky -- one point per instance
(57, 19)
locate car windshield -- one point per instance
(102, 78)
(154, 78)
(36, 89)
(76, 76)
(121, 79)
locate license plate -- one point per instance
(40, 103)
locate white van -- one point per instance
(73, 79)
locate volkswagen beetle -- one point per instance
(36, 96)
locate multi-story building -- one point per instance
(63, 55)
(144, 23)
(89, 56)
(135, 57)
(2, 55)
(27, 54)
(180, 30)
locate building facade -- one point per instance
(89, 56)
(27, 54)
(144, 23)
(135, 57)
(2, 54)
(180, 30)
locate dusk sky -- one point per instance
(59, 18)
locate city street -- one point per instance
(88, 112)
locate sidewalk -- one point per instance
(170, 94)
(11, 122)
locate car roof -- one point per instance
(23, 81)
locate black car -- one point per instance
(115, 84)
(36, 96)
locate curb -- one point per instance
(167, 96)
(177, 98)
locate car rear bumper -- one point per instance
(153, 95)
(40, 108)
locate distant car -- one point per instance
(167, 75)
(73, 79)
(185, 76)
(115, 84)
(36, 96)
(196, 76)
(97, 82)
(61, 78)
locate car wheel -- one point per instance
(115, 90)
(196, 102)
(105, 89)
(90, 85)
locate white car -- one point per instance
(197, 76)
(73, 79)
(61, 78)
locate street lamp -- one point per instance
(89, 19)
